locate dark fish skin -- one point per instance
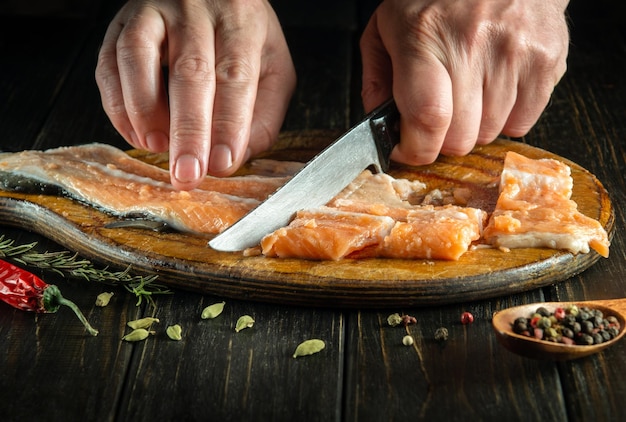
(12, 182)
(16, 183)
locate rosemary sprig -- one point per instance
(71, 265)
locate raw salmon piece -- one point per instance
(249, 186)
(534, 209)
(326, 234)
(378, 194)
(434, 233)
(121, 193)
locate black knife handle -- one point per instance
(385, 124)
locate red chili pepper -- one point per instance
(24, 290)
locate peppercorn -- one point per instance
(585, 339)
(572, 310)
(559, 314)
(567, 332)
(606, 336)
(467, 318)
(441, 334)
(570, 325)
(586, 327)
(520, 325)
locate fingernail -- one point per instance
(187, 169)
(157, 141)
(221, 158)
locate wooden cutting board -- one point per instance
(186, 262)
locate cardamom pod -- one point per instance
(103, 298)
(309, 347)
(175, 332)
(245, 321)
(142, 322)
(137, 335)
(212, 311)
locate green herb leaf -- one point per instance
(68, 264)
(309, 347)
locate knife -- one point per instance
(369, 143)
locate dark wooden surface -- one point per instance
(50, 369)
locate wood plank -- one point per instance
(50, 357)
(224, 375)
(32, 77)
(468, 377)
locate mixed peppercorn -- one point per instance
(570, 325)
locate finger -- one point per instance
(467, 99)
(536, 82)
(377, 70)
(276, 86)
(532, 99)
(139, 63)
(423, 93)
(499, 95)
(239, 45)
(109, 84)
(191, 89)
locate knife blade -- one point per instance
(369, 143)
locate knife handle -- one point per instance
(385, 125)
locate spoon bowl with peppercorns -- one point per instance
(561, 330)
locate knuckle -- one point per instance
(235, 68)
(193, 68)
(431, 117)
(189, 131)
(458, 148)
(229, 128)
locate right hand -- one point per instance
(227, 91)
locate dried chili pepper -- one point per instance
(24, 290)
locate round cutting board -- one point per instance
(185, 261)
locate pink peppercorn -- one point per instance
(559, 314)
(467, 318)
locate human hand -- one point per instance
(228, 86)
(462, 72)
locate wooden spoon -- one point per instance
(540, 349)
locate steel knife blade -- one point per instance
(369, 143)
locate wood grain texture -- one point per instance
(186, 262)
(50, 367)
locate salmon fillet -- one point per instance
(435, 233)
(375, 216)
(326, 234)
(534, 209)
(124, 187)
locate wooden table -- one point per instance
(50, 369)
